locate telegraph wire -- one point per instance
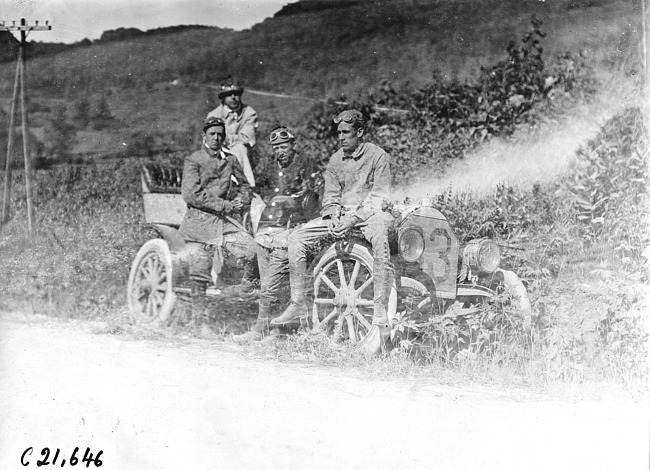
(306, 98)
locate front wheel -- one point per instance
(343, 294)
(150, 297)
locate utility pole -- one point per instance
(644, 51)
(21, 74)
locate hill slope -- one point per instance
(328, 47)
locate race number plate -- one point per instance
(440, 257)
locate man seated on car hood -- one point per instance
(357, 188)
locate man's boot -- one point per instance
(295, 312)
(200, 311)
(378, 337)
(259, 329)
(249, 286)
(297, 309)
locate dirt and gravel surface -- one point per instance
(168, 405)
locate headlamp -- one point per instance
(411, 244)
(482, 256)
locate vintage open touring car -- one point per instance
(434, 274)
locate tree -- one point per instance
(82, 113)
(102, 117)
(59, 134)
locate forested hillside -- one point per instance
(324, 47)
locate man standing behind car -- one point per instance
(294, 202)
(241, 124)
(212, 200)
(357, 189)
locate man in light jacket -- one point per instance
(241, 124)
(357, 189)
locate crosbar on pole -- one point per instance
(24, 28)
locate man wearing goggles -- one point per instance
(291, 202)
(213, 204)
(241, 124)
(357, 188)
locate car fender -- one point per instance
(471, 290)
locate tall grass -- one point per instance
(88, 229)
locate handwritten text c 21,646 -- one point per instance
(87, 458)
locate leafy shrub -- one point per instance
(583, 237)
(82, 112)
(36, 107)
(102, 117)
(609, 184)
(59, 134)
(144, 144)
(447, 118)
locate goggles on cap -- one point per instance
(349, 116)
(213, 121)
(280, 135)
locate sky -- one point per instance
(74, 20)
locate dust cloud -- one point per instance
(539, 157)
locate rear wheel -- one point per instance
(343, 294)
(150, 297)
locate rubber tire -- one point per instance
(155, 249)
(360, 253)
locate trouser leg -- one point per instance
(376, 231)
(200, 257)
(200, 264)
(301, 241)
(272, 268)
(383, 278)
(243, 246)
(200, 311)
(241, 152)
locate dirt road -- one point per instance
(153, 405)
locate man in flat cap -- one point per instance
(357, 188)
(241, 124)
(291, 202)
(214, 202)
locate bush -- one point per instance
(447, 118)
(609, 185)
(82, 113)
(59, 134)
(102, 116)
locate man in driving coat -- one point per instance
(292, 201)
(214, 202)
